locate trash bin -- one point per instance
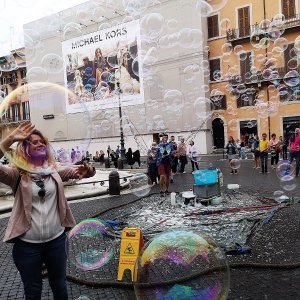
(114, 183)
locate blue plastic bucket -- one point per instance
(205, 177)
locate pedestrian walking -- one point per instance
(275, 150)
(129, 157)
(174, 158)
(164, 164)
(193, 155)
(294, 147)
(284, 146)
(232, 152)
(256, 152)
(264, 149)
(137, 157)
(40, 213)
(151, 161)
(182, 151)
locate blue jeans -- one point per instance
(264, 161)
(295, 155)
(29, 258)
(153, 172)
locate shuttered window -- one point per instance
(214, 65)
(245, 64)
(246, 100)
(213, 26)
(287, 53)
(244, 21)
(26, 110)
(288, 8)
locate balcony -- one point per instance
(259, 78)
(240, 35)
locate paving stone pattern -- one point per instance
(276, 242)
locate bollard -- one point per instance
(114, 183)
(106, 163)
(120, 163)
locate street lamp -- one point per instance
(122, 149)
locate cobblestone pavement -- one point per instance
(276, 242)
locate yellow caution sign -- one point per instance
(131, 243)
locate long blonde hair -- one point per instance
(20, 154)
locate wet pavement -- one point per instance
(270, 271)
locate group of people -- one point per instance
(167, 158)
(261, 148)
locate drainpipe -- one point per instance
(268, 98)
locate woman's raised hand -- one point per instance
(22, 132)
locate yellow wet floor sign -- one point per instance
(131, 244)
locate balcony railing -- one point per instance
(244, 33)
(260, 77)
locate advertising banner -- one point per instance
(99, 64)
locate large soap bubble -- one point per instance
(181, 264)
(43, 100)
(90, 245)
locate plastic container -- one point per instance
(205, 177)
(173, 198)
(233, 186)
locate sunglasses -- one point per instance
(42, 191)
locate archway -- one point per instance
(218, 133)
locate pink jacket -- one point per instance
(20, 219)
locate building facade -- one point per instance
(12, 77)
(173, 59)
(254, 68)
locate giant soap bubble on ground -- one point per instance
(39, 100)
(181, 264)
(90, 245)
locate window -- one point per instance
(16, 112)
(288, 8)
(213, 26)
(287, 54)
(26, 111)
(214, 66)
(246, 99)
(245, 64)
(6, 114)
(218, 102)
(244, 21)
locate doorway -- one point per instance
(218, 133)
(247, 129)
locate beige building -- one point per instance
(172, 65)
(13, 76)
(254, 62)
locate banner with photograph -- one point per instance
(100, 64)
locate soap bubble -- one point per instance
(289, 185)
(291, 78)
(140, 184)
(35, 101)
(90, 244)
(235, 163)
(190, 264)
(285, 171)
(52, 63)
(278, 194)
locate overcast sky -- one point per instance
(15, 13)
